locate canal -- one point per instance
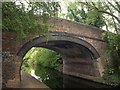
(54, 79)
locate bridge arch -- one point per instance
(56, 37)
(76, 52)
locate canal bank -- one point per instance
(57, 80)
(27, 81)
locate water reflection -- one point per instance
(54, 79)
(50, 77)
(33, 74)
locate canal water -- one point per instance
(54, 79)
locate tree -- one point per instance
(23, 20)
(81, 13)
(102, 14)
(43, 57)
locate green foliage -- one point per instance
(29, 61)
(48, 58)
(114, 47)
(101, 14)
(26, 66)
(80, 13)
(112, 76)
(94, 18)
(45, 8)
(49, 76)
(23, 21)
(43, 57)
(112, 70)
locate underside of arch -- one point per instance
(58, 41)
(78, 55)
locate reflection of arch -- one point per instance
(55, 38)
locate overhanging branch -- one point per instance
(110, 15)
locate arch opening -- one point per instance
(78, 55)
(42, 64)
(57, 40)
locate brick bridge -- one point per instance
(81, 47)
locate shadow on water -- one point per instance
(54, 79)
